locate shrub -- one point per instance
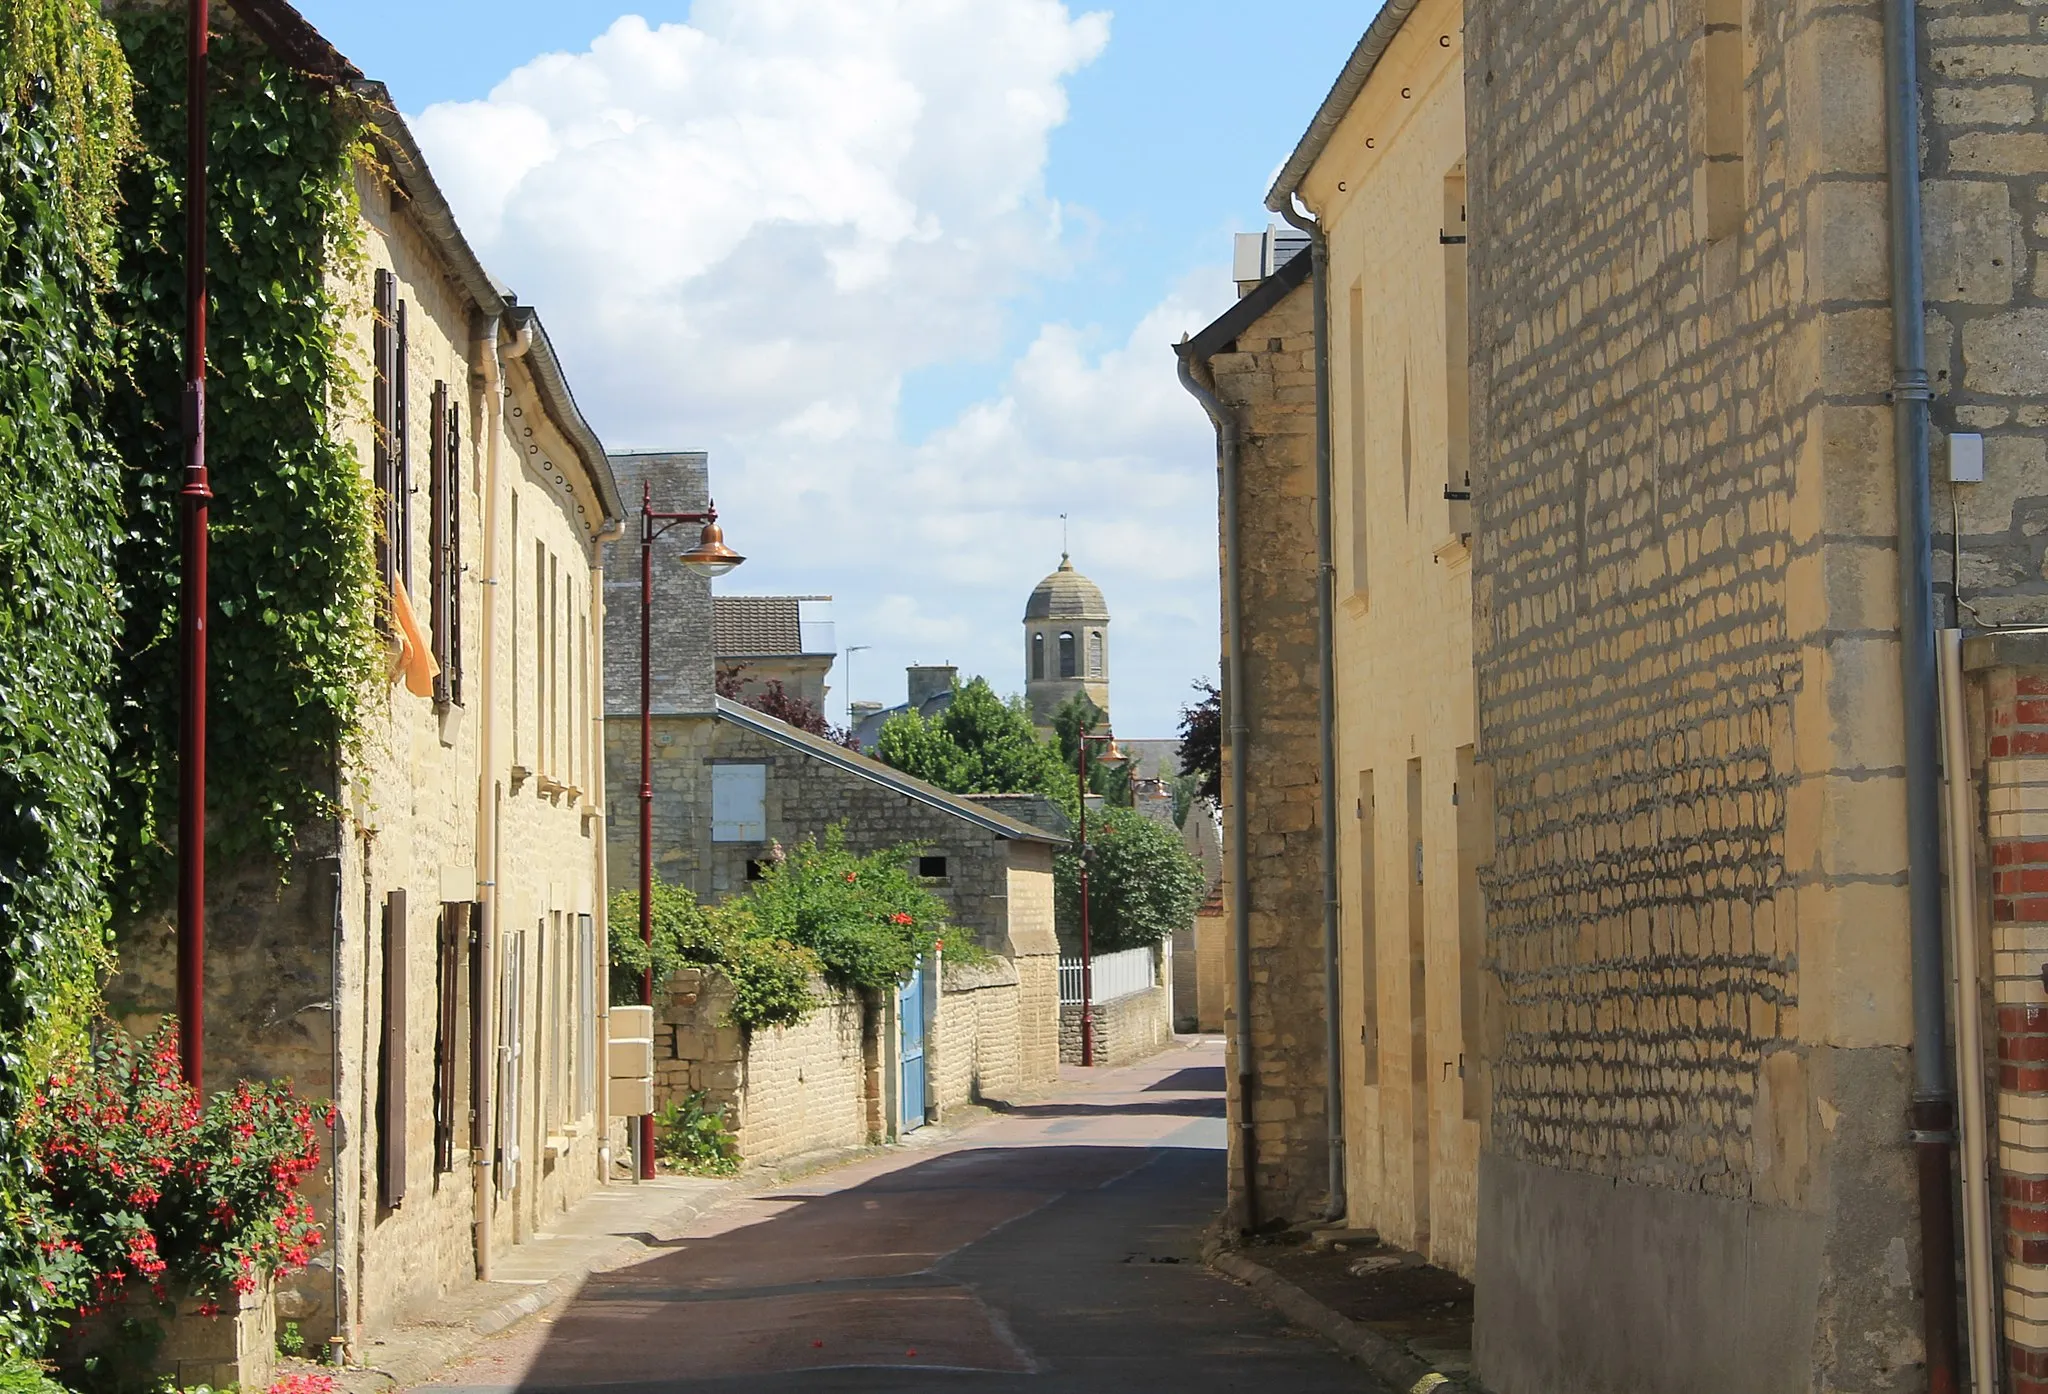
(1142, 884)
(694, 1139)
(868, 919)
(144, 1185)
(771, 979)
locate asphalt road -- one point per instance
(1053, 1250)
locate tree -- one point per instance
(785, 706)
(981, 744)
(1142, 884)
(1201, 743)
(1071, 719)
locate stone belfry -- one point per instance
(1066, 643)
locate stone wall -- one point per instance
(1130, 1028)
(682, 666)
(1267, 377)
(1688, 695)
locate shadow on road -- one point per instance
(1195, 1079)
(1180, 1108)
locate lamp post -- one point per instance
(710, 557)
(195, 497)
(1110, 758)
(851, 650)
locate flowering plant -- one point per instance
(141, 1184)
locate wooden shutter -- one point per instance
(391, 1087)
(382, 314)
(448, 1052)
(440, 491)
(401, 430)
(452, 664)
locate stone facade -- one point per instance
(1127, 1029)
(376, 911)
(1260, 357)
(1389, 192)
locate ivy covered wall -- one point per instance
(63, 125)
(293, 642)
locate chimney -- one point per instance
(930, 680)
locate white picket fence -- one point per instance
(1116, 975)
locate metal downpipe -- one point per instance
(1933, 1108)
(1227, 438)
(1326, 713)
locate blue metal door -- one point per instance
(910, 1016)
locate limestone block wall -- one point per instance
(785, 1091)
(1129, 1029)
(976, 1054)
(1268, 378)
(1688, 698)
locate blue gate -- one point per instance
(911, 1019)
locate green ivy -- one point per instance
(868, 919)
(293, 640)
(63, 124)
(771, 978)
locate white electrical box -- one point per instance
(1966, 458)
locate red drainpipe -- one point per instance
(196, 496)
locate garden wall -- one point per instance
(1126, 1029)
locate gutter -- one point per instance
(1237, 742)
(560, 402)
(1326, 716)
(1934, 1096)
(1372, 47)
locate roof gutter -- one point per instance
(561, 405)
(1350, 82)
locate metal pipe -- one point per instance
(1933, 1108)
(1227, 445)
(645, 1151)
(196, 496)
(1326, 713)
(484, 1047)
(600, 792)
(1087, 944)
(1979, 1290)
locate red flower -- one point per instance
(900, 918)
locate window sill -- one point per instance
(1454, 549)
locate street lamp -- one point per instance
(1111, 758)
(851, 650)
(710, 557)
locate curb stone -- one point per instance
(1389, 1361)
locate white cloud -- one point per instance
(746, 231)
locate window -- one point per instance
(1067, 656)
(1723, 119)
(1457, 358)
(387, 430)
(739, 803)
(756, 869)
(445, 502)
(1360, 512)
(1037, 657)
(1419, 1107)
(932, 868)
(586, 1015)
(1473, 794)
(540, 657)
(1094, 653)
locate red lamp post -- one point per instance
(195, 497)
(710, 557)
(1110, 758)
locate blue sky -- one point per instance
(948, 346)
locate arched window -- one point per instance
(1037, 656)
(1067, 656)
(1094, 653)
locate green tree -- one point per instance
(1142, 884)
(1070, 720)
(868, 919)
(980, 744)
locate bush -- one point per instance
(771, 979)
(1142, 884)
(694, 1139)
(141, 1184)
(868, 919)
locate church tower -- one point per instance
(1066, 643)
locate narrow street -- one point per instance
(1054, 1249)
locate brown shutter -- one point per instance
(440, 488)
(391, 1087)
(454, 931)
(452, 665)
(383, 298)
(401, 427)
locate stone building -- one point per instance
(1257, 360)
(1066, 643)
(430, 958)
(1383, 171)
(1688, 635)
(786, 639)
(730, 783)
